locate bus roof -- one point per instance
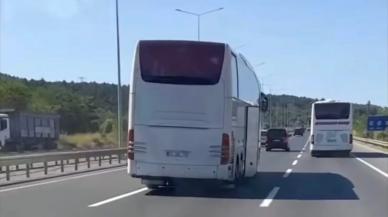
(181, 41)
(329, 101)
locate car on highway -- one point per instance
(299, 132)
(277, 138)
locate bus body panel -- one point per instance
(201, 107)
(171, 145)
(253, 145)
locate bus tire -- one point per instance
(152, 187)
(237, 173)
(20, 147)
(345, 153)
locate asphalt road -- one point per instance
(288, 184)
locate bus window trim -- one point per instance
(237, 74)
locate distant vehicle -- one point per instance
(331, 127)
(27, 131)
(277, 138)
(189, 115)
(299, 132)
(263, 138)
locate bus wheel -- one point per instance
(152, 187)
(345, 153)
(237, 173)
(20, 147)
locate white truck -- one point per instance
(194, 113)
(4, 130)
(26, 131)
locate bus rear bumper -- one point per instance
(347, 147)
(154, 170)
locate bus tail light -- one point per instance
(225, 149)
(131, 142)
(312, 139)
(351, 138)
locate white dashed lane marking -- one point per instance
(287, 173)
(267, 201)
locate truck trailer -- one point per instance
(28, 131)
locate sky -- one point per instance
(322, 49)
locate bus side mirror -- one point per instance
(263, 102)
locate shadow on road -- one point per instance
(357, 154)
(298, 186)
(370, 154)
(280, 150)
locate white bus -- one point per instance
(331, 127)
(193, 113)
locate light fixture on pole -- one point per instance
(198, 15)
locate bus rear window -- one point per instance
(181, 62)
(332, 110)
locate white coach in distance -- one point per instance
(193, 113)
(331, 127)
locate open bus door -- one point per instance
(252, 149)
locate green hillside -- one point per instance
(89, 107)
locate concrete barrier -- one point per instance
(375, 142)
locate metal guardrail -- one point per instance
(61, 157)
(372, 142)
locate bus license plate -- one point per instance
(173, 153)
(331, 137)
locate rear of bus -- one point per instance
(331, 127)
(176, 112)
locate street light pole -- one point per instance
(199, 27)
(119, 124)
(198, 15)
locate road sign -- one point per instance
(377, 123)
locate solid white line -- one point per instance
(118, 197)
(294, 163)
(288, 171)
(305, 145)
(299, 155)
(59, 180)
(267, 201)
(373, 167)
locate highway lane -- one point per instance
(332, 186)
(378, 159)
